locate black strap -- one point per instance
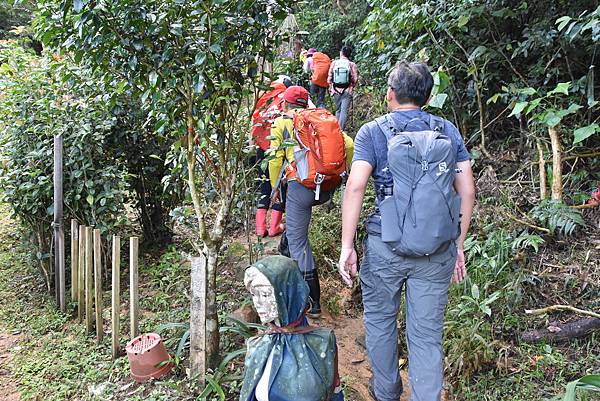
(436, 123)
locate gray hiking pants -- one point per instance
(382, 276)
(298, 211)
(342, 105)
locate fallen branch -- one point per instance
(563, 332)
(585, 206)
(555, 308)
(526, 223)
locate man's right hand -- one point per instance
(348, 265)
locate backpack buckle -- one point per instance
(424, 165)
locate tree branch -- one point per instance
(555, 308)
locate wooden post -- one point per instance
(557, 181)
(116, 301)
(98, 286)
(133, 287)
(89, 274)
(74, 260)
(81, 274)
(198, 319)
(59, 234)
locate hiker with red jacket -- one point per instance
(342, 79)
(317, 64)
(268, 107)
(311, 179)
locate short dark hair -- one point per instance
(411, 83)
(347, 51)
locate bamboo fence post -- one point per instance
(89, 272)
(133, 287)
(59, 232)
(98, 285)
(81, 274)
(198, 319)
(74, 260)
(116, 301)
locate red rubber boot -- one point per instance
(261, 222)
(275, 226)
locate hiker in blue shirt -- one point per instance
(425, 196)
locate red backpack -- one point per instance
(268, 104)
(321, 161)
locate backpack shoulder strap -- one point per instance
(436, 123)
(386, 124)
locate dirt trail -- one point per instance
(8, 385)
(353, 361)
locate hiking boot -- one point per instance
(312, 279)
(314, 311)
(275, 225)
(261, 222)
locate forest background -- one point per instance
(517, 78)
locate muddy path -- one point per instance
(8, 384)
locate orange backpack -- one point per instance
(321, 64)
(320, 162)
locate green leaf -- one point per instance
(153, 77)
(562, 88)
(462, 21)
(591, 380)
(570, 391)
(176, 29)
(200, 58)
(562, 22)
(585, 132)
(527, 91)
(551, 119)
(533, 105)
(199, 85)
(475, 291)
(438, 101)
(518, 108)
(494, 98)
(90, 199)
(133, 62)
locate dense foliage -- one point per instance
(331, 24)
(193, 66)
(37, 103)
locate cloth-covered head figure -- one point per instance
(291, 360)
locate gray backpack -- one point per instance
(341, 74)
(420, 215)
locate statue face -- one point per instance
(263, 295)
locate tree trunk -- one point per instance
(198, 320)
(557, 184)
(210, 251)
(212, 317)
(542, 168)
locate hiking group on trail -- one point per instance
(424, 187)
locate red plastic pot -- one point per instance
(148, 357)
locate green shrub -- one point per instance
(38, 101)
